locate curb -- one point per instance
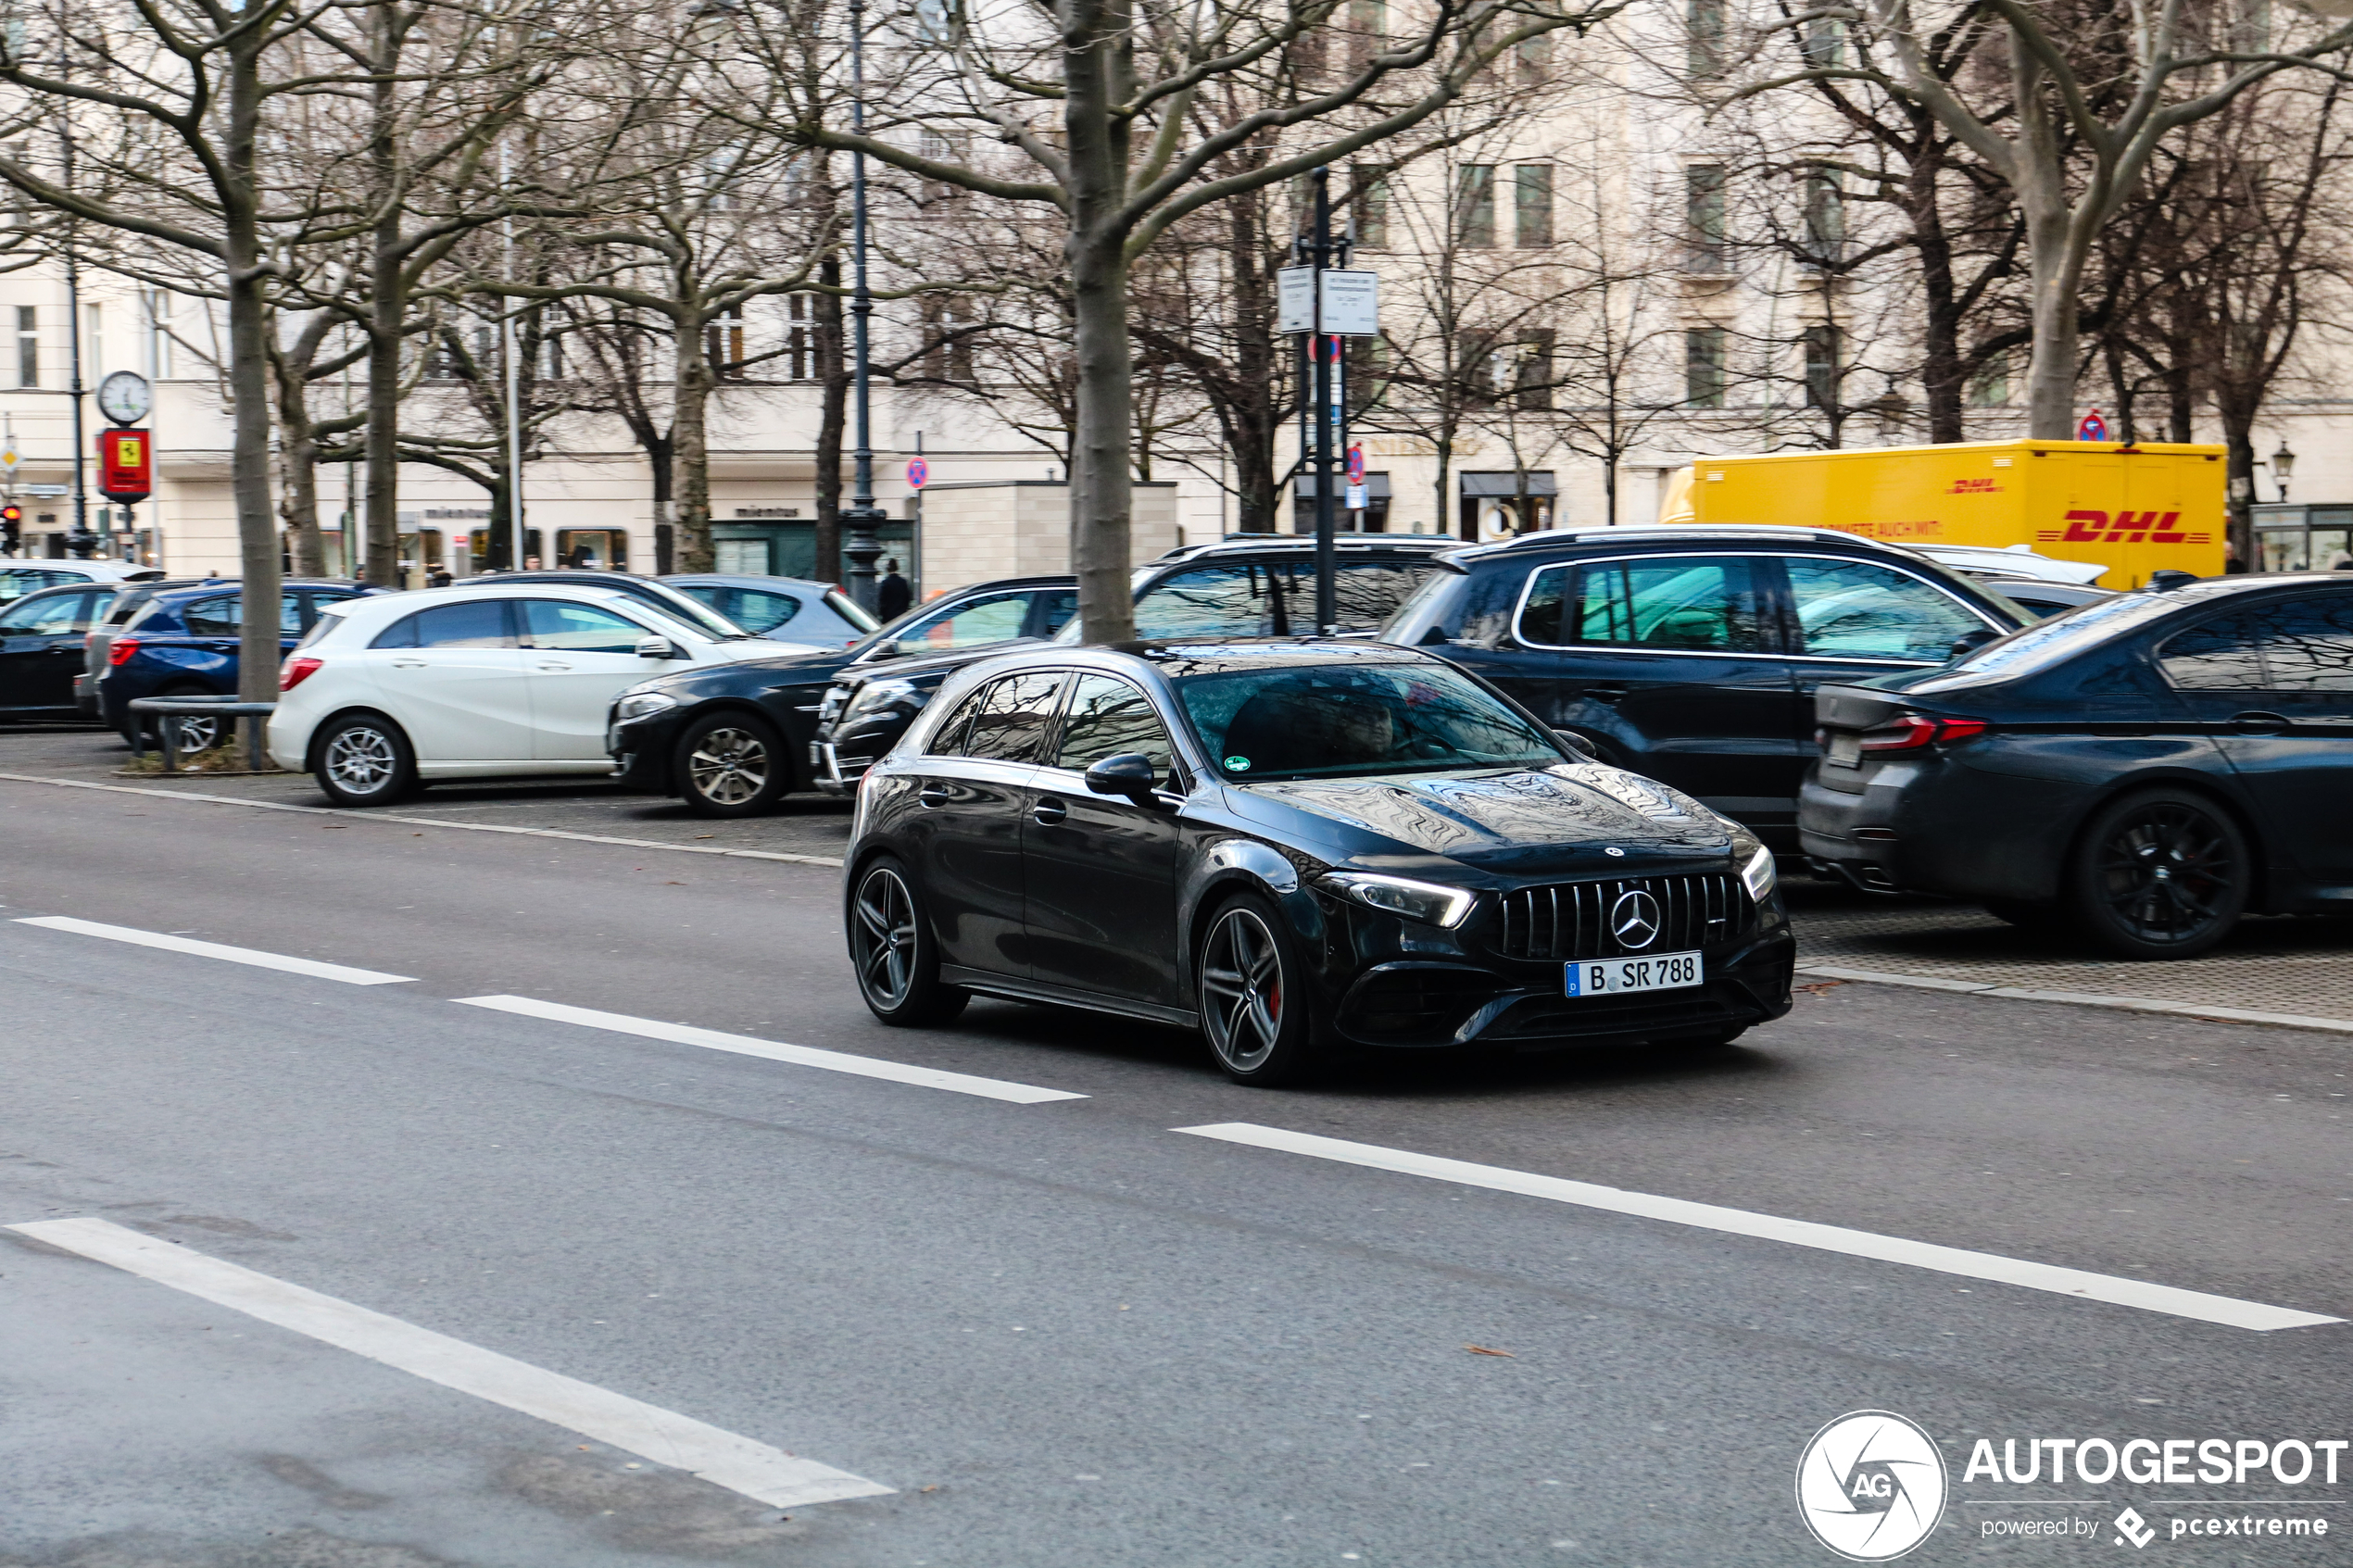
(2083, 998)
(427, 822)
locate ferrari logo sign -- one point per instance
(125, 465)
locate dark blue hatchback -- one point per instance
(184, 644)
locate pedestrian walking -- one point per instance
(892, 594)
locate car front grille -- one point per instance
(1571, 919)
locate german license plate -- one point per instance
(1657, 972)
(1845, 751)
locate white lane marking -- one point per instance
(253, 955)
(2197, 1304)
(427, 822)
(800, 1056)
(725, 1459)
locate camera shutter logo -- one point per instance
(1871, 1486)
(1634, 919)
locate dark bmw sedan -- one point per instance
(1302, 849)
(2140, 772)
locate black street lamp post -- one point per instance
(861, 517)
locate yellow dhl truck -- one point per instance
(2133, 509)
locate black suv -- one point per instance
(1243, 585)
(1690, 654)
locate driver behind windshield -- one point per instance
(1325, 722)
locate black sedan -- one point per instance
(730, 740)
(2142, 771)
(40, 638)
(1301, 848)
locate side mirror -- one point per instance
(1578, 743)
(659, 647)
(1968, 642)
(1130, 774)
(887, 649)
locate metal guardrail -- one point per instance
(250, 714)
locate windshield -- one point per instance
(1330, 721)
(2047, 642)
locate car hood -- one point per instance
(1564, 819)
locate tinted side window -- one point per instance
(25, 579)
(991, 619)
(947, 740)
(223, 616)
(1107, 717)
(52, 617)
(482, 624)
(1052, 609)
(1858, 610)
(1009, 725)
(1668, 603)
(2302, 645)
(754, 609)
(2224, 654)
(2308, 645)
(1235, 600)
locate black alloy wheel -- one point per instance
(732, 765)
(2160, 874)
(1253, 1009)
(897, 958)
(365, 760)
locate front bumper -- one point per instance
(641, 751)
(834, 773)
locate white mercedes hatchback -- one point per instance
(392, 692)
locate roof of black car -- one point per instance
(1209, 657)
(1253, 544)
(1647, 534)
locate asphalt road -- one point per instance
(1062, 1332)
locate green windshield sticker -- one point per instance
(1238, 764)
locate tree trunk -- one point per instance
(1096, 76)
(258, 644)
(304, 542)
(689, 435)
(387, 306)
(1942, 375)
(832, 376)
(2050, 372)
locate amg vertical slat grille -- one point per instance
(1570, 920)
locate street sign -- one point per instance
(125, 472)
(1356, 464)
(1355, 500)
(918, 474)
(47, 492)
(2092, 427)
(1352, 301)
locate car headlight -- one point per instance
(1399, 895)
(1760, 876)
(636, 705)
(880, 694)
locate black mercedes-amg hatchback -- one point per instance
(1300, 848)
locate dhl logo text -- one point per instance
(2126, 527)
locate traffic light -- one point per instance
(11, 527)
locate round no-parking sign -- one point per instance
(918, 471)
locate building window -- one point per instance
(1706, 48)
(552, 356)
(1475, 206)
(723, 344)
(1703, 367)
(155, 354)
(801, 337)
(1704, 217)
(1990, 387)
(948, 352)
(1825, 221)
(1364, 373)
(1532, 205)
(1481, 365)
(28, 345)
(1532, 376)
(949, 147)
(1368, 205)
(1367, 23)
(1825, 41)
(1533, 57)
(1822, 366)
(93, 343)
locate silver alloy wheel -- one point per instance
(196, 733)
(362, 760)
(1241, 990)
(886, 937)
(728, 766)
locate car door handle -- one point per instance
(1046, 813)
(933, 795)
(1606, 694)
(409, 664)
(2259, 723)
(551, 664)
